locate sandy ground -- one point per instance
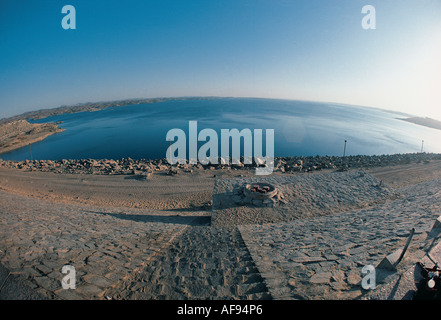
(406, 175)
(223, 267)
(187, 191)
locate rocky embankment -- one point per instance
(144, 168)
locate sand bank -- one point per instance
(20, 133)
(426, 122)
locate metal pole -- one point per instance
(405, 246)
(344, 150)
(343, 158)
(422, 144)
(169, 145)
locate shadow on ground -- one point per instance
(174, 219)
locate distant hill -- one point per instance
(89, 106)
(427, 122)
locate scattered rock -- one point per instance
(287, 165)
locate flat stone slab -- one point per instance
(304, 196)
(12, 288)
(104, 245)
(324, 256)
(409, 284)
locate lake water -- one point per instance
(301, 128)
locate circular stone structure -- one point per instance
(260, 191)
(258, 194)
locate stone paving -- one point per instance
(204, 263)
(323, 257)
(408, 283)
(304, 196)
(38, 238)
(115, 249)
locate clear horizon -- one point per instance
(296, 50)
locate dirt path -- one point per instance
(186, 191)
(160, 192)
(407, 175)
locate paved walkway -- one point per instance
(323, 257)
(37, 238)
(304, 196)
(115, 249)
(204, 263)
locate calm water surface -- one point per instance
(301, 128)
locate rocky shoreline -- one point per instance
(144, 168)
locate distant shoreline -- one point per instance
(91, 106)
(426, 122)
(16, 132)
(20, 133)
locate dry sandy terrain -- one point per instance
(21, 133)
(159, 192)
(201, 263)
(408, 174)
(187, 191)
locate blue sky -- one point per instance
(289, 49)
